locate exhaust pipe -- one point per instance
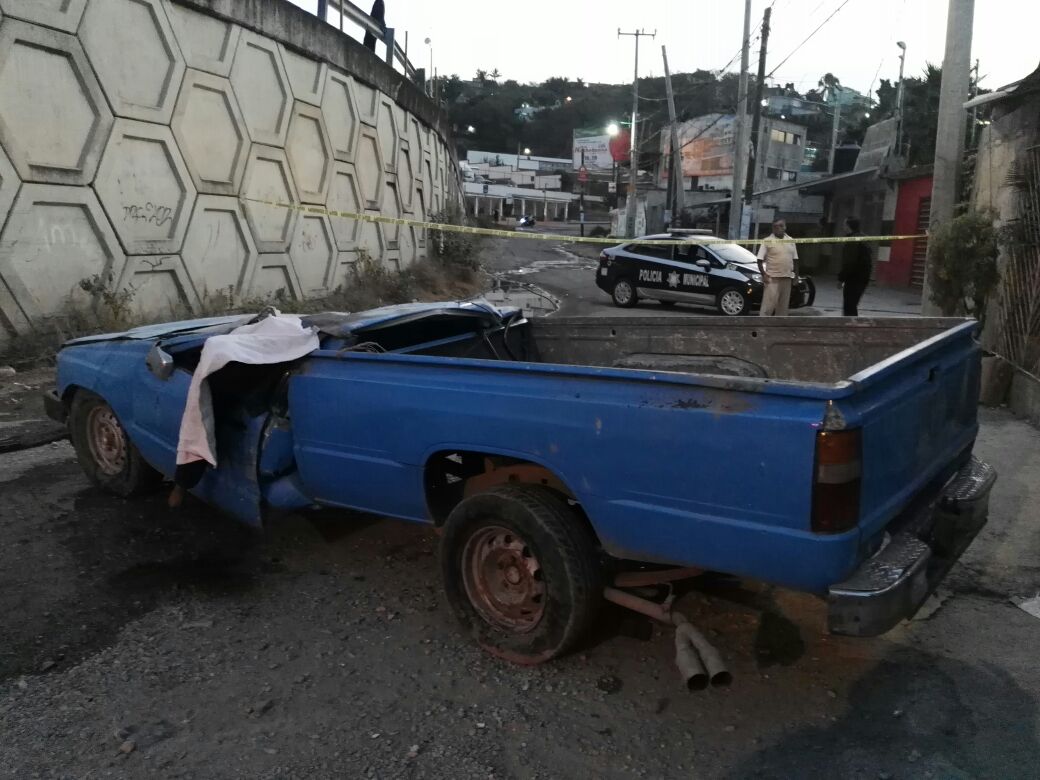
(698, 661)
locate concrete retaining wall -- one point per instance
(134, 132)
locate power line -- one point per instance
(808, 38)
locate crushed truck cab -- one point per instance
(827, 455)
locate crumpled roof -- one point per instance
(346, 324)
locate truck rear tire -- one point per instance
(105, 453)
(521, 572)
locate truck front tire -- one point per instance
(105, 452)
(521, 572)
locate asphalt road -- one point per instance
(567, 271)
(140, 641)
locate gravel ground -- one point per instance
(140, 641)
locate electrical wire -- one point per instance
(807, 38)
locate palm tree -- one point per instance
(495, 75)
(829, 83)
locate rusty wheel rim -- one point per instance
(503, 579)
(107, 441)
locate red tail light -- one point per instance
(836, 482)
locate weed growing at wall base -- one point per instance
(370, 284)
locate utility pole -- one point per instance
(581, 196)
(974, 109)
(756, 117)
(679, 199)
(899, 100)
(633, 152)
(834, 133)
(949, 136)
(736, 201)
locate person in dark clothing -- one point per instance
(855, 269)
(379, 17)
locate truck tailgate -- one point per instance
(917, 412)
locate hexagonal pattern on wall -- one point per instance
(160, 284)
(63, 15)
(392, 209)
(313, 252)
(341, 117)
(415, 145)
(386, 128)
(275, 279)
(53, 116)
(219, 251)
(207, 43)
(407, 245)
(344, 196)
(405, 178)
(367, 102)
(133, 50)
(369, 166)
(306, 76)
(9, 184)
(62, 237)
(262, 88)
(268, 178)
(371, 240)
(145, 187)
(310, 153)
(211, 133)
(422, 215)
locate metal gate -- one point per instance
(920, 252)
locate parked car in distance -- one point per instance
(723, 276)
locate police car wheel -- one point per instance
(624, 294)
(732, 302)
(521, 572)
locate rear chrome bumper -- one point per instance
(895, 581)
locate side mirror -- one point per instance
(159, 362)
(702, 263)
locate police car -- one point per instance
(723, 276)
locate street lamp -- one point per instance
(527, 151)
(613, 129)
(430, 75)
(899, 99)
(568, 98)
(471, 129)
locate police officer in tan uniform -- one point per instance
(778, 264)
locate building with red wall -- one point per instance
(905, 265)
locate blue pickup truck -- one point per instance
(828, 455)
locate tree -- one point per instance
(495, 75)
(451, 88)
(964, 271)
(829, 83)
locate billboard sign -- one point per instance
(596, 147)
(707, 145)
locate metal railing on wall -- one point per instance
(342, 11)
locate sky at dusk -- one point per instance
(534, 40)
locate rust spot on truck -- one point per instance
(691, 403)
(720, 402)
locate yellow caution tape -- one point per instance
(498, 233)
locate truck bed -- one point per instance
(819, 350)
